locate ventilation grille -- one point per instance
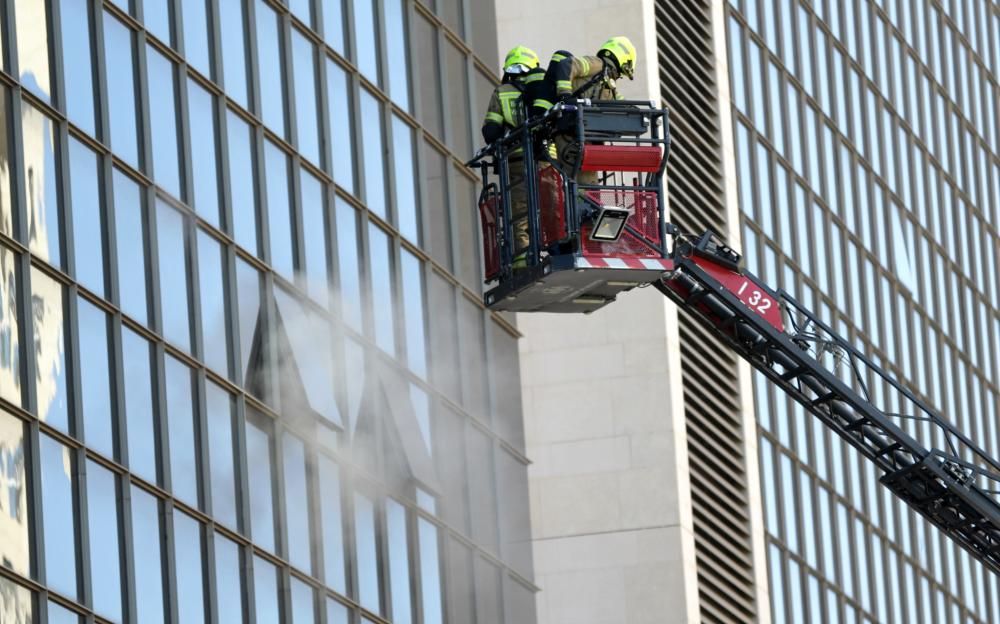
(711, 390)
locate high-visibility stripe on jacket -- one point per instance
(574, 72)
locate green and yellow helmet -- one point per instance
(623, 52)
(520, 60)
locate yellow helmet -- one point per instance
(623, 52)
(520, 60)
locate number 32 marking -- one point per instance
(755, 299)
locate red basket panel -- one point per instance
(488, 214)
(551, 205)
(638, 158)
(645, 219)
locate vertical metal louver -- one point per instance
(711, 390)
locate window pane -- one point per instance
(374, 153)
(189, 564)
(211, 268)
(457, 84)
(221, 456)
(333, 24)
(228, 581)
(48, 309)
(163, 120)
(102, 518)
(147, 557)
(347, 253)
(260, 457)
(341, 128)
(32, 30)
(234, 50)
(270, 70)
(140, 424)
(314, 231)
(364, 31)
(336, 613)
(181, 427)
(407, 219)
(156, 15)
(174, 305)
(119, 69)
(242, 182)
(293, 451)
(279, 215)
(196, 38)
(429, 78)
(430, 572)
(398, 62)
(61, 615)
(303, 603)
(306, 116)
(78, 67)
(10, 341)
(248, 308)
(95, 383)
(380, 263)
(85, 206)
(265, 591)
(20, 604)
(309, 343)
(14, 548)
(38, 151)
(333, 532)
(300, 8)
(204, 164)
(130, 231)
(413, 310)
(58, 485)
(399, 561)
(364, 542)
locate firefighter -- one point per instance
(506, 112)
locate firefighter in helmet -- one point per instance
(507, 110)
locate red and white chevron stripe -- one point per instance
(646, 264)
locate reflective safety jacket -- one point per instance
(507, 106)
(574, 72)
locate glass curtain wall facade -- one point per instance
(868, 163)
(244, 371)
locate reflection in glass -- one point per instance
(248, 308)
(10, 338)
(87, 213)
(196, 37)
(95, 378)
(430, 572)
(338, 99)
(270, 69)
(332, 528)
(265, 591)
(380, 262)
(354, 359)
(211, 268)
(181, 427)
(189, 565)
(14, 547)
(234, 51)
(333, 24)
(221, 457)
(59, 614)
(102, 518)
(119, 69)
(310, 345)
(147, 557)
(48, 309)
(58, 484)
(18, 602)
(314, 233)
(278, 210)
(413, 310)
(303, 603)
(336, 613)
(156, 15)
(293, 452)
(228, 581)
(367, 552)
(399, 561)
(397, 50)
(347, 253)
(130, 229)
(173, 276)
(78, 67)
(140, 424)
(204, 163)
(364, 30)
(407, 219)
(242, 182)
(41, 176)
(260, 454)
(163, 120)
(306, 114)
(32, 27)
(374, 152)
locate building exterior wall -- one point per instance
(611, 508)
(866, 149)
(245, 374)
